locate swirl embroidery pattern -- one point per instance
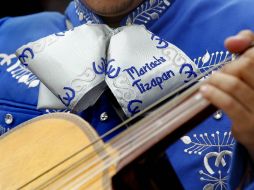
(106, 68)
(217, 146)
(123, 90)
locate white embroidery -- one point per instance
(209, 60)
(124, 90)
(214, 160)
(203, 142)
(56, 111)
(85, 15)
(41, 44)
(216, 181)
(18, 71)
(149, 10)
(212, 174)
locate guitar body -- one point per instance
(53, 152)
(61, 151)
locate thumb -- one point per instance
(240, 42)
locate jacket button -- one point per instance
(8, 119)
(104, 116)
(218, 115)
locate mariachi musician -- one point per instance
(198, 29)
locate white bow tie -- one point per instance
(77, 66)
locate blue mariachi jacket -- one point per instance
(202, 157)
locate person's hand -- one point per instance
(232, 89)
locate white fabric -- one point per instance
(76, 66)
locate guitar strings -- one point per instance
(153, 131)
(99, 139)
(172, 94)
(119, 146)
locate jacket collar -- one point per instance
(146, 13)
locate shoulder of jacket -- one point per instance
(17, 31)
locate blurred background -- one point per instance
(24, 7)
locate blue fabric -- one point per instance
(196, 27)
(19, 88)
(240, 164)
